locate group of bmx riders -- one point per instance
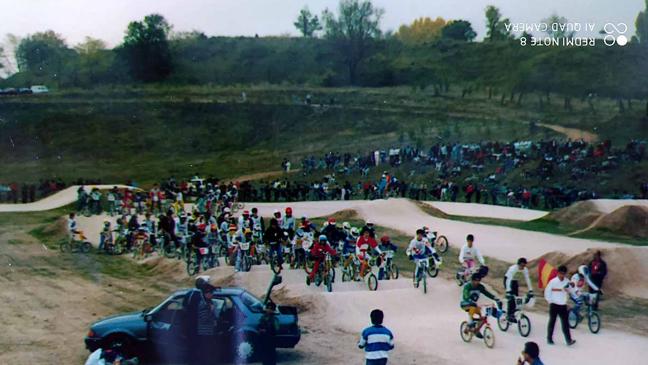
(214, 231)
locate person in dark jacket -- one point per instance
(598, 272)
(201, 324)
(268, 327)
(273, 236)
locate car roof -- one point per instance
(228, 291)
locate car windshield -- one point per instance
(252, 302)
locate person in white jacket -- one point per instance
(469, 253)
(511, 286)
(556, 294)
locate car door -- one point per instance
(167, 332)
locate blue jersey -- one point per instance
(377, 341)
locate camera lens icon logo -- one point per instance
(611, 30)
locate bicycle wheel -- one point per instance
(489, 337)
(441, 244)
(86, 247)
(394, 271)
(433, 271)
(318, 279)
(502, 322)
(192, 266)
(118, 249)
(465, 332)
(594, 322)
(524, 326)
(572, 319)
(346, 274)
(372, 282)
(329, 281)
(65, 247)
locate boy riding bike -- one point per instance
(511, 286)
(364, 246)
(318, 253)
(467, 256)
(470, 295)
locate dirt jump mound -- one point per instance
(631, 220)
(579, 215)
(627, 268)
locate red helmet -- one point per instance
(201, 227)
(384, 239)
(331, 220)
(233, 227)
(246, 212)
(289, 210)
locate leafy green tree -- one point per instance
(458, 30)
(353, 32)
(495, 25)
(557, 27)
(642, 25)
(41, 53)
(307, 23)
(146, 48)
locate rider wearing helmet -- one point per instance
(577, 282)
(245, 221)
(511, 286)
(288, 224)
(385, 245)
(273, 236)
(369, 226)
(257, 221)
(318, 252)
(364, 245)
(277, 216)
(470, 295)
(333, 233)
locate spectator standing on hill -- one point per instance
(376, 340)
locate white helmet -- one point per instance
(584, 271)
(354, 232)
(346, 225)
(226, 210)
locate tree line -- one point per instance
(347, 46)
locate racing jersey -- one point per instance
(470, 295)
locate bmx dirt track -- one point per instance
(426, 327)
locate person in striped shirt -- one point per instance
(376, 340)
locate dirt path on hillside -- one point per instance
(572, 133)
(260, 175)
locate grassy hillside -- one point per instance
(149, 133)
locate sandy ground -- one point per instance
(426, 327)
(572, 133)
(610, 205)
(487, 211)
(504, 243)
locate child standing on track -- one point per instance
(376, 340)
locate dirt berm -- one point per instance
(627, 268)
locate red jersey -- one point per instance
(364, 244)
(319, 250)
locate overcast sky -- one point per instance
(107, 19)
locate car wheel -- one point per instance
(120, 342)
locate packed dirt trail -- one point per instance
(572, 133)
(504, 243)
(426, 326)
(493, 211)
